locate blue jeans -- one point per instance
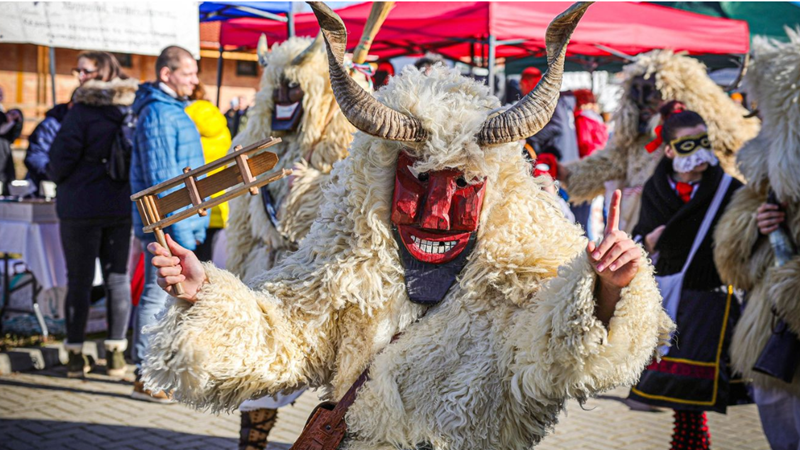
(152, 302)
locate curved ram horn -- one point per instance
(361, 109)
(532, 113)
(262, 50)
(314, 47)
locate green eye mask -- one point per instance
(685, 146)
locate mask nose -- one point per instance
(282, 94)
(436, 213)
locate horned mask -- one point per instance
(288, 96)
(436, 213)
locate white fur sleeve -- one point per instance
(563, 350)
(233, 344)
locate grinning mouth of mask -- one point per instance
(285, 112)
(430, 270)
(286, 117)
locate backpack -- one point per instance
(118, 165)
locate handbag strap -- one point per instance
(709, 217)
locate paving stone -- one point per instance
(53, 412)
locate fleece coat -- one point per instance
(771, 161)
(254, 243)
(489, 367)
(625, 164)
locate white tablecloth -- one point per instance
(40, 247)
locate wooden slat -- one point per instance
(228, 177)
(207, 167)
(174, 201)
(215, 201)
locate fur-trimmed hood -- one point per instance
(773, 81)
(103, 93)
(680, 77)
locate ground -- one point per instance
(44, 409)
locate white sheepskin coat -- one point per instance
(625, 163)
(490, 367)
(254, 244)
(744, 258)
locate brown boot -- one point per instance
(256, 425)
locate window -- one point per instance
(246, 69)
(124, 59)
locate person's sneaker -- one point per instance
(78, 364)
(115, 358)
(140, 393)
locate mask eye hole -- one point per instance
(423, 177)
(293, 85)
(686, 146)
(706, 142)
(461, 182)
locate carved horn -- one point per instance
(359, 106)
(262, 50)
(533, 111)
(315, 46)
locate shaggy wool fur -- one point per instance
(101, 93)
(626, 164)
(743, 256)
(490, 367)
(254, 244)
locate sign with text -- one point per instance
(141, 28)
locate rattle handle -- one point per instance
(162, 240)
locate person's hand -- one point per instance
(616, 261)
(183, 267)
(14, 116)
(769, 217)
(651, 240)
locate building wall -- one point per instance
(25, 80)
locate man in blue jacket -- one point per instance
(166, 140)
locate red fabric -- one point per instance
(137, 281)
(655, 143)
(684, 191)
(592, 134)
(545, 163)
(684, 369)
(413, 27)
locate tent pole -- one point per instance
(53, 73)
(290, 22)
(492, 49)
(471, 58)
(220, 63)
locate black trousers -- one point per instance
(83, 242)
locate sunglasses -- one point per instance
(687, 145)
(83, 72)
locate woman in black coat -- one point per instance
(94, 210)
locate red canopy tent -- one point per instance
(461, 30)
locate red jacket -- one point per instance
(591, 131)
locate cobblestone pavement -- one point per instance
(46, 410)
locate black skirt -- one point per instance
(695, 374)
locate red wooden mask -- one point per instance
(436, 213)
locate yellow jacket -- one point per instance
(216, 139)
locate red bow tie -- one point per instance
(684, 191)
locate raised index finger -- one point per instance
(612, 223)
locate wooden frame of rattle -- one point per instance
(235, 173)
